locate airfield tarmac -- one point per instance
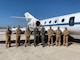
(39, 53)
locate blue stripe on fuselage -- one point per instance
(61, 24)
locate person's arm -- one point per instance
(10, 32)
(29, 33)
(68, 33)
(41, 32)
(61, 32)
(34, 32)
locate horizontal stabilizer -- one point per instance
(18, 17)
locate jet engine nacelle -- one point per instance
(37, 23)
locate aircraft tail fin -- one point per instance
(29, 17)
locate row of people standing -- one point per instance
(58, 33)
(18, 36)
(37, 35)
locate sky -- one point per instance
(41, 9)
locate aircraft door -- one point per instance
(71, 21)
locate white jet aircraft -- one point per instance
(71, 21)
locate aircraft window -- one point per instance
(55, 21)
(49, 21)
(62, 20)
(45, 22)
(71, 21)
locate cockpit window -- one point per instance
(71, 21)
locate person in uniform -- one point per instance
(18, 36)
(58, 36)
(50, 35)
(28, 32)
(36, 36)
(65, 36)
(8, 37)
(42, 33)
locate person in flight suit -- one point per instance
(58, 36)
(50, 35)
(36, 36)
(28, 32)
(18, 36)
(42, 33)
(8, 37)
(65, 36)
